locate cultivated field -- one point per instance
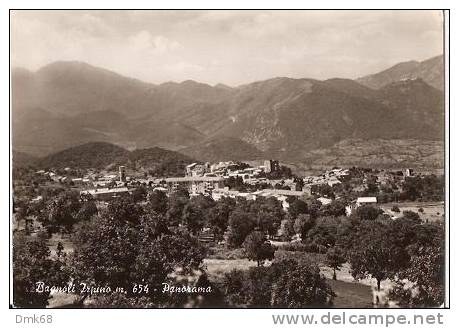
(349, 293)
(431, 211)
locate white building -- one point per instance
(359, 202)
(324, 200)
(195, 184)
(105, 193)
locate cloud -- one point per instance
(232, 47)
(145, 41)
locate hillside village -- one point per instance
(337, 196)
(266, 180)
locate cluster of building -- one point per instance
(107, 186)
(200, 179)
(209, 179)
(330, 177)
(93, 179)
(194, 184)
(280, 194)
(53, 175)
(230, 169)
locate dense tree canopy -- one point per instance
(157, 201)
(425, 188)
(297, 207)
(32, 264)
(368, 212)
(124, 246)
(63, 211)
(422, 282)
(218, 216)
(299, 286)
(285, 284)
(303, 223)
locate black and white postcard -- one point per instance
(229, 159)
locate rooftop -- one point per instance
(191, 165)
(193, 179)
(367, 200)
(281, 192)
(105, 191)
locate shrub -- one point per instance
(395, 209)
(307, 248)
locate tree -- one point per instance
(374, 253)
(410, 215)
(135, 250)
(296, 207)
(123, 210)
(192, 217)
(28, 226)
(286, 229)
(368, 212)
(87, 210)
(62, 212)
(218, 216)
(425, 277)
(299, 184)
(248, 288)
(314, 207)
(422, 282)
(257, 287)
(21, 214)
(236, 183)
(299, 286)
(372, 189)
(324, 232)
(285, 284)
(155, 222)
(404, 232)
(157, 201)
(177, 201)
(195, 211)
(395, 209)
(33, 264)
(234, 288)
(303, 223)
(241, 223)
(59, 249)
(283, 172)
(323, 190)
(335, 259)
(426, 188)
(336, 208)
(258, 248)
(139, 194)
(268, 214)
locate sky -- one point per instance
(230, 47)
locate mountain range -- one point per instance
(430, 70)
(66, 104)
